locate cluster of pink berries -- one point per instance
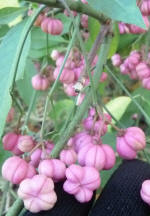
(48, 24)
(134, 66)
(133, 29)
(73, 69)
(85, 148)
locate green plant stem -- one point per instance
(29, 109)
(75, 6)
(5, 189)
(57, 80)
(86, 102)
(22, 212)
(25, 33)
(128, 93)
(15, 208)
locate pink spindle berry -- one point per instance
(92, 155)
(124, 69)
(123, 28)
(110, 158)
(55, 55)
(69, 89)
(37, 193)
(131, 141)
(66, 77)
(10, 115)
(145, 191)
(146, 83)
(68, 156)
(143, 71)
(84, 21)
(36, 157)
(25, 143)
(145, 7)
(40, 82)
(16, 169)
(116, 60)
(52, 26)
(52, 168)
(104, 77)
(81, 182)
(10, 141)
(81, 139)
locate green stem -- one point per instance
(5, 189)
(16, 208)
(75, 6)
(29, 110)
(86, 102)
(57, 80)
(22, 212)
(128, 93)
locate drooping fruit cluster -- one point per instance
(85, 148)
(135, 66)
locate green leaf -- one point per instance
(3, 30)
(24, 86)
(118, 106)
(115, 41)
(8, 53)
(119, 10)
(110, 139)
(7, 14)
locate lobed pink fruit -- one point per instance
(68, 156)
(37, 193)
(66, 77)
(145, 191)
(143, 71)
(93, 156)
(10, 141)
(10, 115)
(123, 28)
(40, 82)
(146, 83)
(116, 60)
(81, 139)
(52, 168)
(104, 77)
(137, 30)
(124, 69)
(110, 158)
(145, 7)
(69, 89)
(36, 157)
(81, 182)
(25, 143)
(39, 20)
(16, 169)
(52, 26)
(84, 21)
(132, 141)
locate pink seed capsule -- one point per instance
(36, 157)
(110, 158)
(146, 83)
(145, 191)
(133, 75)
(130, 142)
(44, 24)
(124, 69)
(69, 89)
(137, 30)
(66, 77)
(143, 71)
(40, 82)
(104, 77)
(25, 143)
(81, 182)
(123, 28)
(52, 168)
(18, 170)
(145, 7)
(10, 141)
(93, 156)
(116, 60)
(84, 21)
(37, 193)
(68, 156)
(55, 26)
(39, 20)
(81, 139)
(10, 115)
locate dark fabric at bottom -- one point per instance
(121, 195)
(66, 205)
